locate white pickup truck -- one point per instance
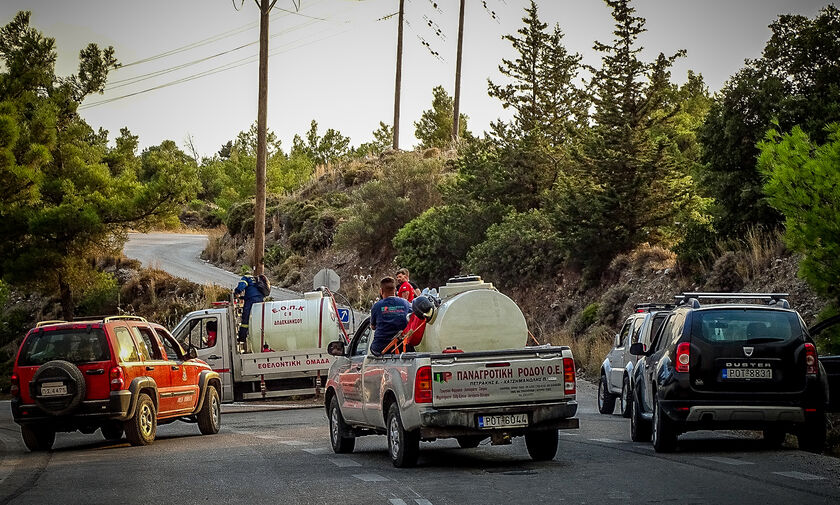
(471, 396)
(285, 355)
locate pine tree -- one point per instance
(434, 129)
(622, 155)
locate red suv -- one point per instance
(120, 374)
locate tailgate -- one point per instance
(497, 377)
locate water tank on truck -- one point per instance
(474, 316)
(308, 323)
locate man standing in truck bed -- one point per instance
(254, 290)
(388, 316)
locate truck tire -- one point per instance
(606, 400)
(341, 444)
(403, 446)
(626, 398)
(542, 445)
(811, 435)
(112, 431)
(664, 432)
(142, 427)
(639, 427)
(469, 441)
(210, 415)
(37, 438)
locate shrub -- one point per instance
(292, 264)
(434, 245)
(275, 255)
(586, 318)
(612, 305)
(408, 187)
(237, 215)
(100, 296)
(724, 276)
(523, 247)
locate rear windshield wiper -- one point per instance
(764, 340)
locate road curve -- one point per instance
(179, 254)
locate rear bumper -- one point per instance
(731, 413)
(117, 407)
(445, 423)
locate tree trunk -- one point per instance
(66, 299)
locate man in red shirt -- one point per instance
(406, 289)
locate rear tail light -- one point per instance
(423, 385)
(810, 359)
(15, 389)
(683, 356)
(569, 385)
(117, 378)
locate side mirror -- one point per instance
(638, 349)
(192, 353)
(616, 340)
(336, 348)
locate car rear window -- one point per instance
(744, 326)
(73, 345)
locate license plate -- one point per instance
(503, 421)
(53, 389)
(747, 373)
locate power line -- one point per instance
(211, 39)
(222, 68)
(150, 75)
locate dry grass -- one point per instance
(589, 349)
(754, 252)
(647, 257)
(215, 245)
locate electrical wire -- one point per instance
(222, 68)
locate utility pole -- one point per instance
(456, 118)
(262, 112)
(399, 77)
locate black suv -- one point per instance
(730, 366)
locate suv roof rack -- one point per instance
(125, 318)
(647, 307)
(693, 298)
(51, 321)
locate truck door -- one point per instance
(207, 334)
(350, 380)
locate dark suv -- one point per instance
(119, 374)
(730, 366)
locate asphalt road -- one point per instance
(179, 254)
(283, 457)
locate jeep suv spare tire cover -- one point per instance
(58, 387)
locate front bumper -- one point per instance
(455, 422)
(117, 407)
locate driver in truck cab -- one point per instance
(388, 317)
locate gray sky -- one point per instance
(340, 70)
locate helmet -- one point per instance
(423, 307)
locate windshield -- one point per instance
(744, 326)
(75, 346)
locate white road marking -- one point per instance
(606, 440)
(728, 461)
(268, 437)
(316, 450)
(397, 501)
(422, 501)
(370, 477)
(567, 434)
(343, 462)
(295, 442)
(800, 475)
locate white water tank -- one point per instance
(290, 325)
(474, 316)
